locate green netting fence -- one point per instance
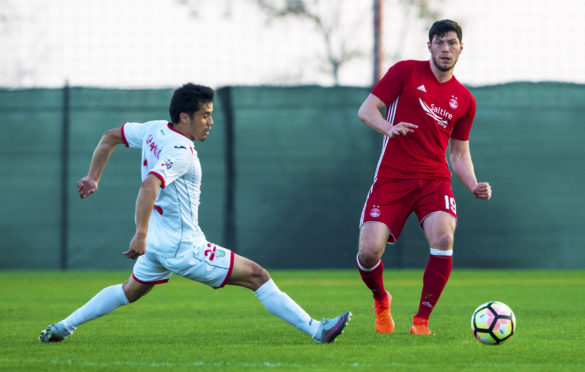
(285, 174)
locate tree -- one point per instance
(325, 15)
(22, 42)
(336, 36)
(341, 26)
(422, 12)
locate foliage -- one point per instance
(335, 31)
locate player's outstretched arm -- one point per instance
(89, 184)
(144, 204)
(369, 114)
(462, 165)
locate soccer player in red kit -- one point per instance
(427, 111)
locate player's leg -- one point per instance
(249, 274)
(104, 302)
(110, 298)
(372, 242)
(134, 289)
(387, 207)
(439, 228)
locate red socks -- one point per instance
(434, 280)
(373, 278)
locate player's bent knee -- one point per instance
(443, 242)
(247, 273)
(259, 275)
(372, 242)
(370, 253)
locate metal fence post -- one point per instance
(229, 234)
(65, 177)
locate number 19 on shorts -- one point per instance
(450, 204)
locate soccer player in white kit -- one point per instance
(168, 238)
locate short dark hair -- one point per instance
(188, 99)
(440, 28)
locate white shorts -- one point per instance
(210, 264)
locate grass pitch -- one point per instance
(187, 326)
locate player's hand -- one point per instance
(402, 129)
(482, 190)
(86, 186)
(137, 247)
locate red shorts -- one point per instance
(391, 201)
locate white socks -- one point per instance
(106, 301)
(274, 300)
(438, 252)
(280, 304)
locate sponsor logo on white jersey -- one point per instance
(422, 88)
(437, 113)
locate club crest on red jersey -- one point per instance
(453, 102)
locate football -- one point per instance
(493, 323)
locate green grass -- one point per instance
(187, 326)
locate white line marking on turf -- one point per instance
(172, 364)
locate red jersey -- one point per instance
(441, 110)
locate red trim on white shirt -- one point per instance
(124, 136)
(170, 125)
(162, 179)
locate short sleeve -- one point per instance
(132, 134)
(463, 126)
(172, 165)
(390, 86)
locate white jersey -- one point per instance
(169, 155)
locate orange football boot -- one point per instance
(384, 321)
(420, 326)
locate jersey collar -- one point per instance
(170, 125)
